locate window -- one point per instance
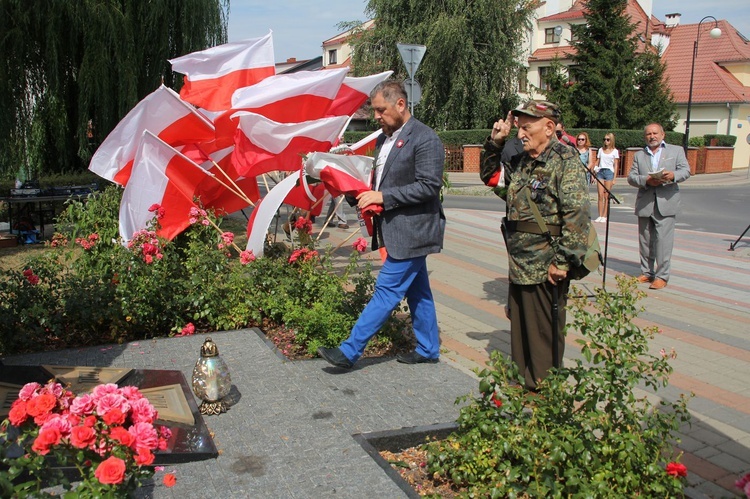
(573, 73)
(332, 56)
(543, 75)
(523, 80)
(550, 36)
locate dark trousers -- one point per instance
(531, 328)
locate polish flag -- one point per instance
(366, 146)
(354, 92)
(163, 113)
(263, 145)
(341, 174)
(285, 98)
(212, 75)
(162, 176)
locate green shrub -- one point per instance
(88, 288)
(586, 433)
(721, 140)
(697, 141)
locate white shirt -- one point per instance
(607, 160)
(385, 150)
(655, 156)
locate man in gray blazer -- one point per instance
(656, 171)
(407, 180)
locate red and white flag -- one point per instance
(162, 176)
(163, 113)
(263, 145)
(366, 146)
(341, 174)
(354, 92)
(212, 75)
(285, 98)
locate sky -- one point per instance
(300, 26)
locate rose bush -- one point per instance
(108, 436)
(89, 289)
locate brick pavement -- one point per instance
(289, 433)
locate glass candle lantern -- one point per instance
(211, 379)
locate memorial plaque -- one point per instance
(170, 402)
(8, 395)
(82, 379)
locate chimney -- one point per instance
(294, 59)
(672, 20)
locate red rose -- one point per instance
(144, 457)
(41, 405)
(676, 469)
(169, 480)
(82, 437)
(17, 414)
(122, 435)
(46, 439)
(110, 471)
(89, 421)
(497, 401)
(114, 417)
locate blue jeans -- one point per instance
(398, 278)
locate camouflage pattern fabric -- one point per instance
(557, 185)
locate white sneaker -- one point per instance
(603, 220)
(598, 220)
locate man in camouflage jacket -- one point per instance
(548, 174)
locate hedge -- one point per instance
(623, 138)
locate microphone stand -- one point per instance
(732, 245)
(610, 197)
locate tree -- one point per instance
(617, 86)
(470, 70)
(71, 70)
(560, 91)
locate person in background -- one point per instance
(564, 136)
(408, 177)
(656, 171)
(607, 164)
(583, 145)
(548, 175)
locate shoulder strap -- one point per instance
(537, 215)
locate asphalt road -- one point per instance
(714, 209)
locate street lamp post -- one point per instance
(714, 33)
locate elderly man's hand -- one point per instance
(501, 129)
(555, 275)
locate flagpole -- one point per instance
(333, 214)
(238, 192)
(357, 230)
(222, 232)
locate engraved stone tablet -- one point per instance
(82, 379)
(170, 402)
(8, 395)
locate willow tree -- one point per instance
(70, 70)
(470, 71)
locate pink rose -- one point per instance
(360, 245)
(247, 257)
(110, 471)
(28, 391)
(112, 401)
(142, 411)
(59, 423)
(145, 435)
(82, 405)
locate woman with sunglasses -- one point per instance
(608, 161)
(583, 144)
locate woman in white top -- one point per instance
(607, 163)
(583, 145)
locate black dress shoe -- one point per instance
(334, 357)
(414, 358)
